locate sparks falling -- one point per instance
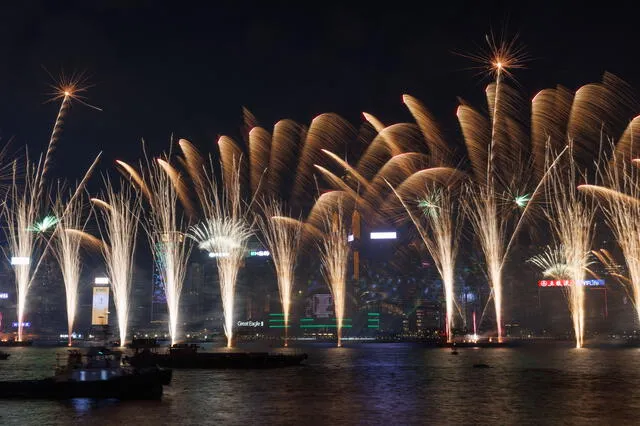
(334, 255)
(120, 215)
(282, 238)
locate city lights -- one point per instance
(383, 235)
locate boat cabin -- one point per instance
(97, 364)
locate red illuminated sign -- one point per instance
(567, 283)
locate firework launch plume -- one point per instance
(282, 238)
(334, 255)
(66, 249)
(224, 233)
(166, 227)
(119, 229)
(20, 211)
(571, 217)
(498, 151)
(490, 227)
(434, 212)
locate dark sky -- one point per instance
(187, 70)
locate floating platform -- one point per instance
(484, 344)
(187, 357)
(16, 343)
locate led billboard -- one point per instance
(567, 283)
(100, 311)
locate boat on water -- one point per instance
(4, 355)
(99, 373)
(188, 356)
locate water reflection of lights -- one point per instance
(81, 405)
(86, 405)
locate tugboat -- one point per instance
(187, 356)
(96, 374)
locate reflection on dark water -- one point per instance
(368, 384)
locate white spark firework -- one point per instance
(282, 238)
(20, 211)
(224, 231)
(334, 254)
(571, 217)
(166, 228)
(120, 212)
(439, 224)
(66, 249)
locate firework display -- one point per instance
(334, 254)
(283, 241)
(120, 212)
(224, 233)
(165, 227)
(306, 192)
(66, 249)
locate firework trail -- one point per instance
(439, 224)
(231, 162)
(571, 217)
(120, 215)
(259, 153)
(334, 255)
(285, 147)
(328, 131)
(55, 135)
(224, 233)
(194, 164)
(66, 250)
(396, 139)
(283, 242)
(438, 148)
(68, 88)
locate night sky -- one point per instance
(187, 71)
